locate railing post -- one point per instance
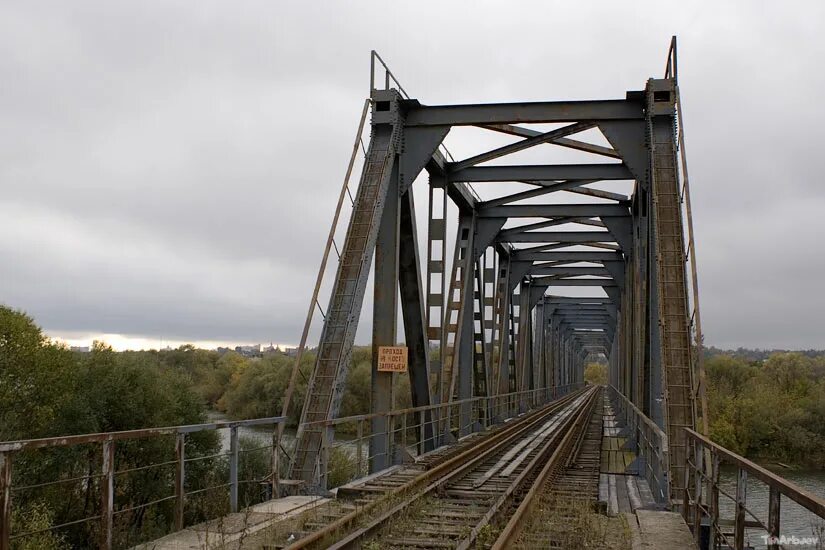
(686, 508)
(714, 499)
(389, 435)
(323, 467)
(773, 517)
(403, 435)
(107, 484)
(421, 432)
(180, 475)
(698, 456)
(275, 462)
(739, 520)
(233, 469)
(488, 412)
(359, 453)
(5, 501)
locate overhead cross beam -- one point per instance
(546, 137)
(531, 112)
(541, 172)
(560, 237)
(555, 211)
(564, 142)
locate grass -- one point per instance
(574, 523)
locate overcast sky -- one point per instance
(169, 169)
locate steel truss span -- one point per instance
(518, 290)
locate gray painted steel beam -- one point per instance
(569, 271)
(412, 308)
(564, 142)
(384, 320)
(574, 282)
(542, 172)
(541, 111)
(577, 300)
(560, 237)
(567, 256)
(555, 211)
(521, 145)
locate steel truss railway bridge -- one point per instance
(511, 307)
(520, 273)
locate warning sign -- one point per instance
(392, 358)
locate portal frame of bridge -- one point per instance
(469, 333)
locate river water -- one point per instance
(794, 520)
(262, 435)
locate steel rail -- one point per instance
(433, 477)
(464, 544)
(508, 536)
(570, 429)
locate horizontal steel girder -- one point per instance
(560, 237)
(559, 314)
(542, 172)
(555, 211)
(539, 111)
(568, 256)
(564, 142)
(577, 300)
(574, 282)
(569, 271)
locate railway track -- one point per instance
(460, 498)
(557, 510)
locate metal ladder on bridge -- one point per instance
(672, 288)
(335, 347)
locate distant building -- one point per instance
(249, 351)
(81, 349)
(291, 352)
(272, 350)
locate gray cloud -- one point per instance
(171, 168)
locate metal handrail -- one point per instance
(399, 412)
(71, 440)
(108, 473)
(650, 443)
(702, 490)
(672, 68)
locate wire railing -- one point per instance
(104, 482)
(409, 432)
(649, 442)
(193, 481)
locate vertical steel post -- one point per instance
(233, 469)
(403, 436)
(714, 499)
(5, 501)
(773, 516)
(686, 508)
(359, 453)
(697, 489)
(323, 470)
(384, 320)
(180, 476)
(107, 485)
(274, 461)
(739, 518)
(422, 433)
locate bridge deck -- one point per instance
(621, 488)
(233, 530)
(621, 493)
